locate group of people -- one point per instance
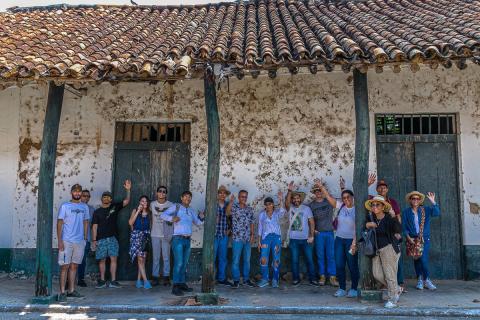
(325, 226)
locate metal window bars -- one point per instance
(152, 132)
(415, 124)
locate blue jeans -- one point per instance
(181, 254)
(271, 243)
(295, 246)
(421, 264)
(324, 249)
(342, 257)
(83, 266)
(241, 249)
(220, 252)
(400, 279)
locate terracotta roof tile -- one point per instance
(114, 42)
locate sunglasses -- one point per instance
(162, 191)
(376, 205)
(415, 199)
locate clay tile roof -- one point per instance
(153, 42)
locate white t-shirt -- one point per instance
(300, 228)
(73, 215)
(157, 209)
(346, 221)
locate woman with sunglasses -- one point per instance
(140, 223)
(416, 227)
(345, 246)
(385, 263)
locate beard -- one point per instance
(76, 198)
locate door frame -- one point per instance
(436, 138)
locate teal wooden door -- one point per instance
(427, 163)
(147, 165)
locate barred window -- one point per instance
(152, 132)
(415, 124)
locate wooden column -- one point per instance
(360, 177)
(43, 284)
(213, 171)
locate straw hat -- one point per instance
(223, 188)
(415, 193)
(386, 208)
(299, 193)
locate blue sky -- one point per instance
(4, 4)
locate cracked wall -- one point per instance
(272, 131)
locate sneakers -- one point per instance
(236, 285)
(429, 285)
(147, 285)
(81, 283)
(166, 281)
(295, 283)
(340, 293)
(333, 281)
(177, 291)
(184, 287)
(262, 283)
(314, 283)
(322, 280)
(390, 305)
(139, 284)
(225, 283)
(155, 282)
(249, 283)
(419, 284)
(352, 293)
(74, 294)
(101, 284)
(274, 283)
(114, 284)
(62, 297)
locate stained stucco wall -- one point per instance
(272, 131)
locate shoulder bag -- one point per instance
(415, 249)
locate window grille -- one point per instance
(152, 132)
(415, 124)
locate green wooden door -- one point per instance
(435, 168)
(147, 165)
(427, 164)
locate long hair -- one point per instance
(149, 212)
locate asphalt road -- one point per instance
(85, 316)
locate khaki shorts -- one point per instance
(73, 253)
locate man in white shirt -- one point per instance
(182, 219)
(300, 233)
(72, 232)
(161, 237)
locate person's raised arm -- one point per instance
(331, 200)
(134, 215)
(434, 209)
(288, 199)
(128, 187)
(228, 209)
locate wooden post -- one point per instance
(43, 284)
(360, 177)
(208, 295)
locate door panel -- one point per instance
(396, 164)
(436, 172)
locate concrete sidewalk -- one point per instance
(453, 298)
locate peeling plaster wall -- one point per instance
(8, 162)
(272, 131)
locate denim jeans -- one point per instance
(400, 278)
(181, 254)
(271, 243)
(295, 246)
(421, 264)
(220, 250)
(342, 258)
(325, 254)
(241, 249)
(83, 266)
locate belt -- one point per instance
(181, 236)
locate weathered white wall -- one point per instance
(8, 162)
(272, 131)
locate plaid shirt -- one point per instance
(222, 226)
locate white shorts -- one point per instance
(73, 253)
